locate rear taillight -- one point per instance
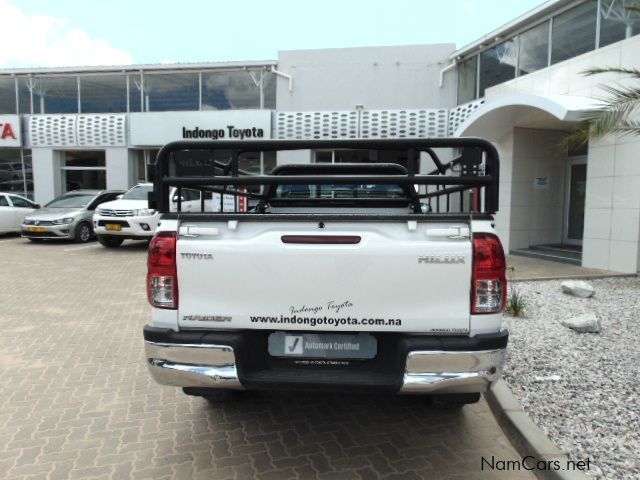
(489, 288)
(162, 280)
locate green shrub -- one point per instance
(516, 303)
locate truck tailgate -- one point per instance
(395, 277)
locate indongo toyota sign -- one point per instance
(10, 133)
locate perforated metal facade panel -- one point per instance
(101, 131)
(52, 130)
(414, 123)
(422, 123)
(316, 125)
(458, 115)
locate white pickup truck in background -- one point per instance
(336, 278)
(129, 217)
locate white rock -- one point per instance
(584, 323)
(577, 288)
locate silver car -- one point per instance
(68, 216)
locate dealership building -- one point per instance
(521, 86)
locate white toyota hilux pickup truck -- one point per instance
(129, 217)
(359, 277)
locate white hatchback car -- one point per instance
(13, 209)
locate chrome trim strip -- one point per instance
(193, 365)
(452, 372)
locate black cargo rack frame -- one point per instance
(479, 169)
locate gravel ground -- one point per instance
(581, 389)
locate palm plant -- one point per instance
(617, 112)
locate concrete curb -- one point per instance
(524, 435)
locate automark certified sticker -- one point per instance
(328, 345)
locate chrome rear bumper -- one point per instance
(452, 371)
(191, 365)
(214, 366)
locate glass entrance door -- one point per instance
(575, 190)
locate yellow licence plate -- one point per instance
(36, 229)
(113, 227)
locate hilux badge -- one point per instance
(441, 259)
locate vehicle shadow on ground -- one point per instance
(310, 435)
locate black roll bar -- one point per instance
(232, 176)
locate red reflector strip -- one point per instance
(322, 239)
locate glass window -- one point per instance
(104, 198)
(467, 79)
(139, 192)
(7, 95)
(3, 201)
(189, 195)
(340, 191)
(24, 95)
(55, 94)
(100, 93)
(71, 200)
(13, 177)
(231, 90)
(28, 174)
(171, 92)
(617, 22)
(497, 65)
(269, 161)
(250, 162)
(20, 202)
(269, 90)
(574, 32)
(534, 49)
(137, 160)
(84, 179)
(84, 170)
(135, 84)
(91, 160)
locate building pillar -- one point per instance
(47, 176)
(503, 216)
(120, 174)
(612, 212)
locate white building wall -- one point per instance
(47, 177)
(536, 214)
(503, 216)
(374, 77)
(612, 212)
(120, 168)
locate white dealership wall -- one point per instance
(346, 81)
(375, 77)
(612, 212)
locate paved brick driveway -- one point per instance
(76, 400)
